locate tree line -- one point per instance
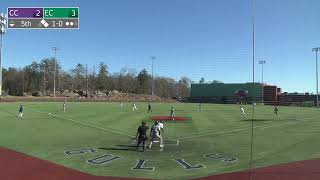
(40, 77)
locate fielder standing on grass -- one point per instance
(20, 113)
(172, 113)
(64, 105)
(242, 112)
(275, 110)
(142, 135)
(134, 107)
(149, 108)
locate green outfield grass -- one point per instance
(293, 135)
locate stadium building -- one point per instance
(246, 92)
(274, 96)
(226, 93)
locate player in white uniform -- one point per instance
(134, 107)
(155, 133)
(161, 126)
(64, 105)
(242, 112)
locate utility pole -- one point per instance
(262, 93)
(3, 23)
(55, 70)
(23, 84)
(317, 82)
(44, 79)
(87, 78)
(152, 84)
(93, 77)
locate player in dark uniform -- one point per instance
(142, 135)
(172, 113)
(20, 113)
(275, 110)
(149, 108)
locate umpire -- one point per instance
(142, 135)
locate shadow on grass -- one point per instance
(120, 149)
(126, 146)
(123, 148)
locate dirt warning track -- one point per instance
(301, 170)
(19, 166)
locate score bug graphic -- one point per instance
(43, 18)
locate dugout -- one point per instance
(226, 92)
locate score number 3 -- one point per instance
(73, 13)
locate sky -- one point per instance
(212, 39)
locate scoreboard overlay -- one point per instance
(43, 18)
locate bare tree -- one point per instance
(39, 76)
(79, 76)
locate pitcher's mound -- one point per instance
(168, 118)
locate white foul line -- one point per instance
(86, 124)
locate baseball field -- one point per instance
(98, 138)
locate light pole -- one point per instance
(317, 87)
(3, 22)
(152, 84)
(55, 70)
(262, 93)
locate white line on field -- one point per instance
(134, 141)
(175, 143)
(241, 129)
(86, 124)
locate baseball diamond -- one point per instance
(102, 145)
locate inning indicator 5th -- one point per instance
(43, 18)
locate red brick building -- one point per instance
(272, 95)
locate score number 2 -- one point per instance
(38, 13)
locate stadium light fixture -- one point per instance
(262, 63)
(55, 70)
(317, 82)
(3, 25)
